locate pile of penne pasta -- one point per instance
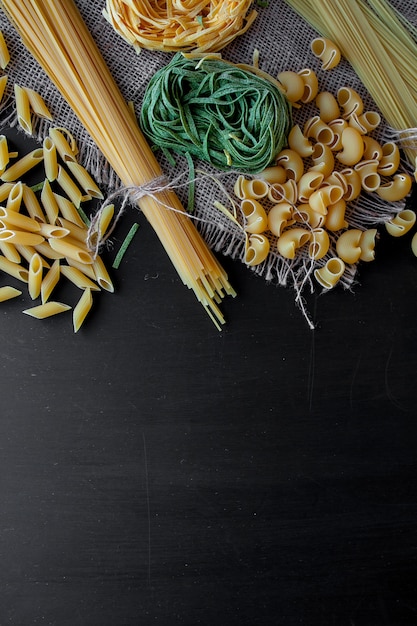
(43, 234)
(300, 204)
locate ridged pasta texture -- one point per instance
(216, 111)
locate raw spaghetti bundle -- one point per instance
(381, 46)
(214, 110)
(174, 25)
(55, 33)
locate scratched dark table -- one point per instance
(156, 471)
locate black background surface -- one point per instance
(156, 471)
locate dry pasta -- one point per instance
(82, 309)
(24, 117)
(4, 52)
(8, 292)
(49, 281)
(327, 51)
(48, 309)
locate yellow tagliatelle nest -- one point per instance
(180, 25)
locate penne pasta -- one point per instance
(71, 250)
(37, 104)
(23, 110)
(49, 202)
(82, 309)
(7, 293)
(21, 237)
(27, 253)
(84, 179)
(5, 189)
(68, 210)
(14, 199)
(32, 205)
(50, 159)
(79, 278)
(35, 276)
(50, 280)
(102, 276)
(66, 151)
(11, 218)
(3, 83)
(4, 153)
(10, 252)
(22, 166)
(69, 187)
(48, 309)
(14, 269)
(52, 231)
(4, 52)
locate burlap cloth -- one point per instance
(283, 41)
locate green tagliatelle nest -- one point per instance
(216, 111)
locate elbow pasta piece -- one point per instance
(401, 223)
(390, 160)
(350, 101)
(291, 240)
(322, 160)
(348, 245)
(353, 147)
(330, 274)
(286, 192)
(335, 218)
(310, 181)
(292, 163)
(305, 214)
(293, 85)
(367, 170)
(319, 244)
(327, 51)
(273, 174)
(256, 220)
(397, 189)
(279, 217)
(367, 244)
(337, 125)
(318, 130)
(325, 196)
(311, 85)
(372, 149)
(256, 249)
(299, 142)
(354, 185)
(328, 106)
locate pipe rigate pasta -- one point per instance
(298, 142)
(335, 218)
(353, 147)
(322, 160)
(329, 275)
(315, 128)
(256, 249)
(348, 245)
(251, 188)
(372, 149)
(327, 51)
(311, 85)
(402, 223)
(325, 196)
(390, 160)
(350, 101)
(367, 244)
(367, 170)
(291, 240)
(309, 182)
(285, 192)
(256, 220)
(273, 174)
(293, 85)
(279, 217)
(337, 125)
(365, 123)
(292, 163)
(397, 189)
(305, 214)
(328, 106)
(354, 185)
(319, 244)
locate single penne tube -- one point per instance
(3, 83)
(84, 179)
(71, 250)
(67, 185)
(79, 278)
(12, 218)
(102, 275)
(5, 189)
(10, 252)
(14, 269)
(329, 275)
(23, 165)
(66, 151)
(4, 52)
(76, 232)
(49, 281)
(105, 219)
(48, 309)
(37, 104)
(35, 276)
(82, 309)
(88, 270)
(32, 205)
(22, 237)
(50, 159)
(7, 293)
(4, 153)
(46, 251)
(14, 200)
(27, 253)
(23, 112)
(49, 202)
(68, 210)
(52, 231)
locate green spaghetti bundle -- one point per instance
(225, 114)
